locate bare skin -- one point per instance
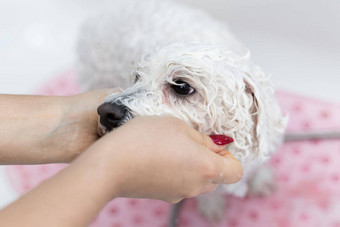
(47, 129)
(148, 157)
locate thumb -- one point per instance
(229, 169)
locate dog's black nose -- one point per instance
(111, 114)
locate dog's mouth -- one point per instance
(111, 116)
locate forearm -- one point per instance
(139, 159)
(47, 129)
(26, 121)
(71, 198)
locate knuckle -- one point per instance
(209, 171)
(211, 174)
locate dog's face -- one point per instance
(214, 91)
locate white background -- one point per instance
(297, 42)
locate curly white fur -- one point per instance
(163, 42)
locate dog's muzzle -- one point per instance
(112, 115)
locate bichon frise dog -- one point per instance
(183, 63)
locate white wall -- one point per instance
(297, 42)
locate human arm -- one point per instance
(148, 157)
(47, 129)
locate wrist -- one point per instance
(99, 165)
(54, 137)
(76, 128)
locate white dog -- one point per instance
(183, 63)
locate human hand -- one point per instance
(148, 157)
(162, 158)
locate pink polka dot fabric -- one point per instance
(308, 177)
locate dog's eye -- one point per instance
(182, 88)
(137, 77)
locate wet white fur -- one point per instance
(164, 41)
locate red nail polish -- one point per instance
(221, 139)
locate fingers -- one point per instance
(226, 154)
(205, 141)
(228, 169)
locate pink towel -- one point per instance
(308, 177)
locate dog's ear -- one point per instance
(268, 122)
(257, 112)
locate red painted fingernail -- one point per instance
(221, 139)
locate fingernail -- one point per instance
(221, 139)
